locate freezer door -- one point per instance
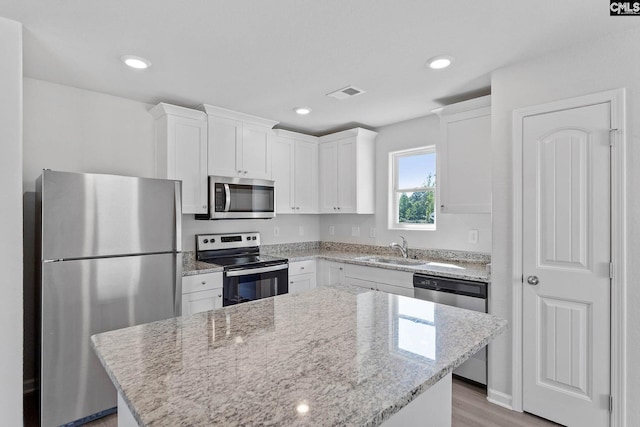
(85, 297)
(90, 215)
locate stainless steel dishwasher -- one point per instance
(458, 293)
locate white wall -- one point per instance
(11, 224)
(608, 63)
(452, 229)
(77, 130)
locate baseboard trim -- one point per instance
(499, 398)
(28, 386)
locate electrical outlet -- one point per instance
(473, 236)
(276, 231)
(301, 231)
(355, 231)
(332, 230)
(372, 232)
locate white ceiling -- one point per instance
(266, 57)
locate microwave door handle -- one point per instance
(227, 198)
(247, 272)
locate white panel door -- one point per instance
(328, 153)
(256, 151)
(305, 166)
(224, 136)
(347, 176)
(281, 173)
(566, 250)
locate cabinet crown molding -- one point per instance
(357, 132)
(295, 135)
(162, 109)
(472, 104)
(234, 115)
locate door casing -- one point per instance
(617, 100)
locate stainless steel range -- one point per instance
(248, 276)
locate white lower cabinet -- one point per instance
(330, 273)
(377, 279)
(202, 292)
(302, 276)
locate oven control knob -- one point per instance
(205, 241)
(248, 238)
(253, 238)
(212, 240)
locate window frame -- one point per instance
(393, 204)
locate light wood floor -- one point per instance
(470, 409)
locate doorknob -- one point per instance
(533, 280)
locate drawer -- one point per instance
(201, 282)
(302, 267)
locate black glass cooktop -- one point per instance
(246, 260)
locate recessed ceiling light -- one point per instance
(439, 62)
(136, 62)
(302, 408)
(302, 110)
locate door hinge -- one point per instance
(611, 138)
(610, 270)
(610, 403)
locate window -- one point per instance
(412, 199)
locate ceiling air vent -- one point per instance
(345, 92)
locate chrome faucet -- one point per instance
(404, 248)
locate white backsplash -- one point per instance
(287, 227)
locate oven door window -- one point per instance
(250, 198)
(251, 287)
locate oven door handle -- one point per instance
(247, 272)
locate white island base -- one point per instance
(432, 407)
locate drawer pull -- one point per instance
(301, 268)
(204, 283)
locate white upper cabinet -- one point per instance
(305, 176)
(347, 178)
(282, 174)
(181, 152)
(239, 144)
(464, 157)
(294, 164)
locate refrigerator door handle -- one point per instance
(177, 309)
(178, 207)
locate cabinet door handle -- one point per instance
(219, 295)
(245, 172)
(204, 283)
(338, 207)
(301, 268)
(204, 206)
(239, 171)
(291, 282)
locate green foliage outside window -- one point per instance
(418, 207)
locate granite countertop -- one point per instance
(476, 271)
(353, 357)
(456, 269)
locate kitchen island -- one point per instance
(329, 356)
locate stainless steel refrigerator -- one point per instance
(110, 258)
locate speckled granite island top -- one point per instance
(353, 357)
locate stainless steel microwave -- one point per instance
(240, 198)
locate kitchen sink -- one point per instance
(396, 261)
